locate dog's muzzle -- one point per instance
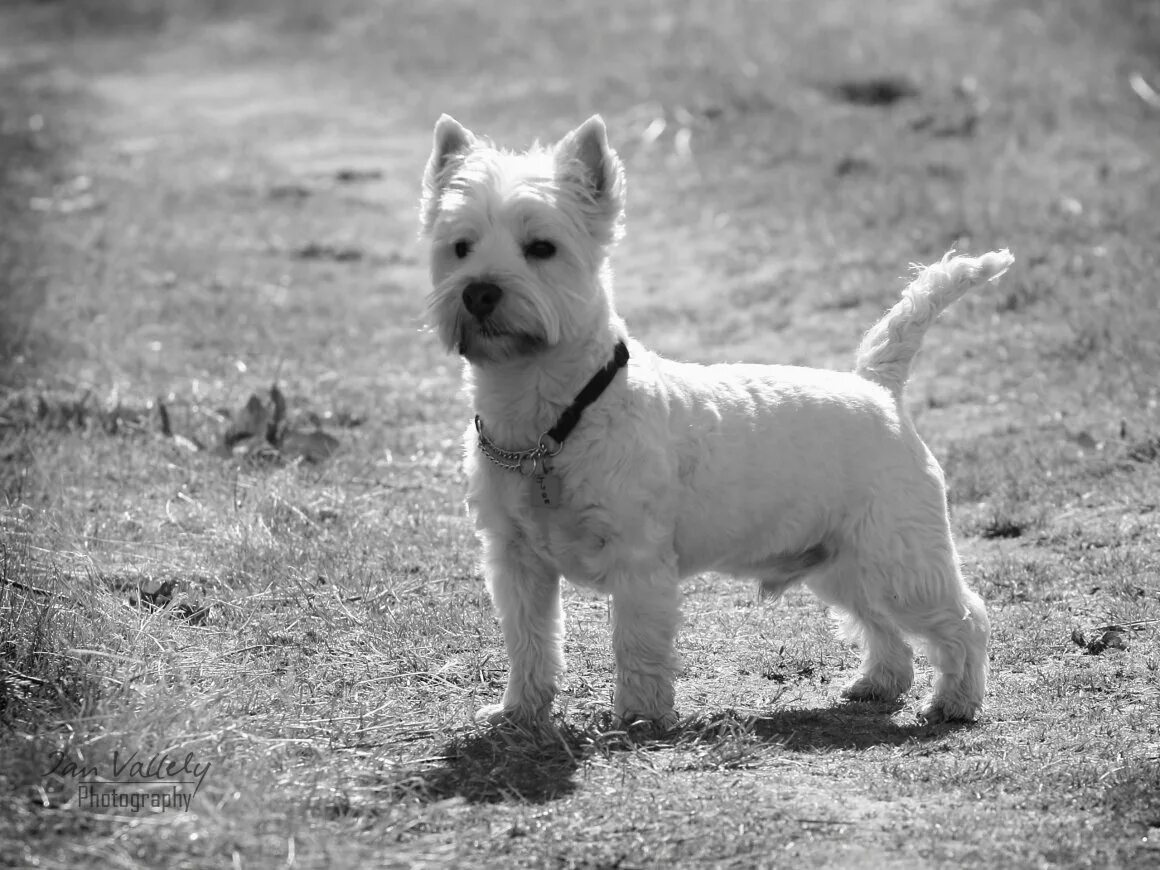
(480, 298)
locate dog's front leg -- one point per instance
(526, 592)
(645, 615)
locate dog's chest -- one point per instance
(568, 533)
(562, 522)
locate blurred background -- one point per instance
(786, 159)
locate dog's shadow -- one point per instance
(506, 762)
(843, 726)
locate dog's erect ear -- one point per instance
(452, 141)
(587, 146)
(585, 156)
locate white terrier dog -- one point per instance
(593, 459)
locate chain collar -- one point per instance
(526, 462)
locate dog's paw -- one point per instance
(639, 724)
(935, 710)
(491, 714)
(498, 714)
(866, 689)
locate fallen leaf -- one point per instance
(1147, 450)
(313, 446)
(163, 415)
(950, 123)
(1111, 637)
(190, 445)
(251, 421)
(652, 132)
(192, 614)
(1114, 639)
(1085, 440)
(277, 422)
(342, 419)
(289, 191)
(325, 251)
(850, 165)
(153, 593)
(875, 90)
(348, 175)
(1143, 90)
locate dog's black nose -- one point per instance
(480, 298)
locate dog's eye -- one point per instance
(462, 248)
(540, 249)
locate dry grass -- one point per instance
(219, 198)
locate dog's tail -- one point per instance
(885, 354)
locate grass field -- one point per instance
(200, 202)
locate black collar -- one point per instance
(564, 426)
(591, 392)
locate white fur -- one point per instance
(778, 473)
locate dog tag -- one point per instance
(546, 490)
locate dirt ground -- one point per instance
(201, 200)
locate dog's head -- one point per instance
(518, 241)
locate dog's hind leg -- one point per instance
(920, 593)
(887, 669)
(526, 592)
(887, 659)
(954, 632)
(645, 617)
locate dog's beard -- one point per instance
(489, 342)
